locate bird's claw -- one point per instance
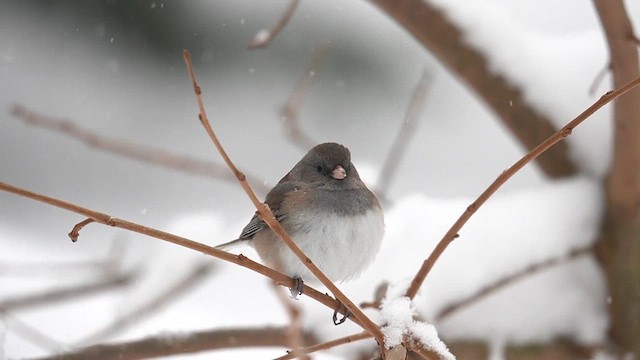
(298, 287)
(344, 318)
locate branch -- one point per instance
(326, 345)
(403, 138)
(240, 259)
(59, 294)
(618, 247)
(263, 38)
(295, 331)
(506, 175)
(145, 154)
(624, 181)
(179, 343)
(445, 40)
(29, 333)
(268, 217)
(195, 276)
(291, 108)
(509, 280)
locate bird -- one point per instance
(328, 212)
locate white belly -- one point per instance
(341, 246)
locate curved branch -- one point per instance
(444, 39)
(263, 38)
(506, 175)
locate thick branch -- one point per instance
(445, 40)
(172, 344)
(619, 246)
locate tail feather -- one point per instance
(232, 244)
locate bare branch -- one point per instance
(619, 249)
(326, 345)
(75, 232)
(60, 294)
(295, 333)
(509, 280)
(403, 138)
(29, 333)
(263, 38)
(240, 259)
(187, 282)
(182, 343)
(506, 175)
(145, 154)
(268, 217)
(445, 40)
(291, 108)
(598, 79)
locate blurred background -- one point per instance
(115, 68)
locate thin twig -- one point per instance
(509, 280)
(107, 267)
(506, 175)
(187, 282)
(326, 345)
(291, 108)
(53, 269)
(59, 294)
(240, 259)
(404, 136)
(145, 154)
(379, 294)
(75, 232)
(295, 334)
(263, 38)
(268, 217)
(29, 333)
(599, 78)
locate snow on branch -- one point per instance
(445, 40)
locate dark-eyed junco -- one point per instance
(327, 210)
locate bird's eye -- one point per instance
(319, 168)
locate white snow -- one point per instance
(554, 71)
(520, 226)
(261, 36)
(398, 316)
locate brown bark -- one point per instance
(619, 246)
(444, 40)
(165, 345)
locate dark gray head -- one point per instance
(327, 163)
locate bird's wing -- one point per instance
(274, 200)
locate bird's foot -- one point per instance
(344, 317)
(298, 287)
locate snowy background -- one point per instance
(118, 71)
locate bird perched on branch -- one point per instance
(329, 213)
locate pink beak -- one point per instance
(338, 173)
